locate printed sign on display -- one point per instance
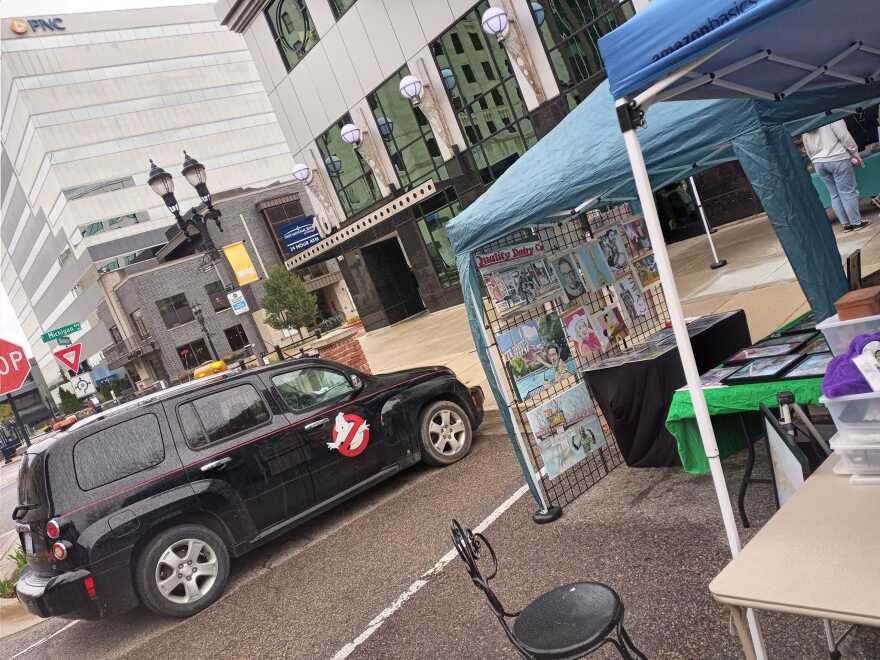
(237, 302)
(517, 277)
(351, 434)
(299, 234)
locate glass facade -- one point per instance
(570, 30)
(93, 228)
(482, 89)
(406, 133)
(433, 214)
(351, 176)
(292, 29)
(339, 7)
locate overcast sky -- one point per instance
(9, 327)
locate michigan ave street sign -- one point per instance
(63, 331)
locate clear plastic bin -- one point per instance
(856, 458)
(856, 416)
(839, 333)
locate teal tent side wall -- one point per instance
(777, 174)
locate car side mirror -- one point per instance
(356, 383)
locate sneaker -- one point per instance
(848, 228)
(862, 224)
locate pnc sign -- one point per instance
(22, 26)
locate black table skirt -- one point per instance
(635, 397)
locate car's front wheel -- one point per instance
(446, 433)
(182, 570)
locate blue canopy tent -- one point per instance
(779, 51)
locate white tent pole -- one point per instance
(685, 351)
(716, 263)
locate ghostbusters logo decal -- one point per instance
(351, 434)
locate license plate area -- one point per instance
(27, 542)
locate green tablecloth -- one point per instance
(867, 177)
(724, 403)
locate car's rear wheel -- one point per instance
(446, 433)
(182, 570)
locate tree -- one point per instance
(69, 403)
(5, 411)
(288, 305)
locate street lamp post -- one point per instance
(200, 318)
(162, 184)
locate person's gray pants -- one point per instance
(840, 179)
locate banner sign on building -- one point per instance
(241, 264)
(237, 302)
(299, 234)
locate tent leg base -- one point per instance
(718, 264)
(544, 516)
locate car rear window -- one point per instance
(118, 452)
(221, 415)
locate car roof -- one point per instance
(183, 388)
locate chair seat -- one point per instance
(569, 621)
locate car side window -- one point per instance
(118, 451)
(223, 414)
(306, 388)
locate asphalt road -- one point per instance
(318, 589)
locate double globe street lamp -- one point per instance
(162, 183)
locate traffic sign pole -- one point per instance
(19, 423)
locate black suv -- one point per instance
(147, 502)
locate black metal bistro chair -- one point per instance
(568, 622)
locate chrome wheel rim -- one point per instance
(186, 571)
(447, 432)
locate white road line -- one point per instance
(385, 614)
(45, 639)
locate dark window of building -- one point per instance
(292, 29)
(339, 7)
(193, 353)
(175, 310)
(115, 335)
(137, 317)
(236, 337)
(406, 134)
(352, 178)
(217, 293)
(478, 78)
(491, 126)
(118, 452)
(570, 31)
(476, 42)
(222, 415)
(456, 44)
(306, 388)
(432, 226)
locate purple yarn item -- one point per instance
(842, 377)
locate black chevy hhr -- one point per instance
(147, 502)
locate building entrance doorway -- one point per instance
(394, 280)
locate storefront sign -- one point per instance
(22, 26)
(238, 302)
(63, 331)
(241, 263)
(299, 234)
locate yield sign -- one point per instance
(69, 356)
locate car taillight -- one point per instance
(53, 529)
(60, 550)
(89, 584)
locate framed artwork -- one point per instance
(517, 277)
(817, 345)
(595, 267)
(812, 366)
(754, 352)
(761, 369)
(580, 331)
(609, 324)
(631, 298)
(807, 322)
(637, 234)
(802, 337)
(713, 377)
(566, 429)
(614, 249)
(566, 270)
(536, 354)
(646, 270)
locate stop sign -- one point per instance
(14, 366)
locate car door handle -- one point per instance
(316, 424)
(219, 463)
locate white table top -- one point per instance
(818, 556)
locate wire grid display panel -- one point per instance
(559, 238)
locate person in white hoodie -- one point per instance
(834, 153)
